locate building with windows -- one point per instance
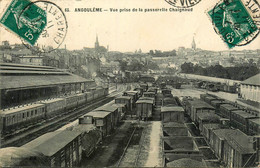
(250, 88)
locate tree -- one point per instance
(187, 67)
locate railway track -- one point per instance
(134, 161)
(28, 135)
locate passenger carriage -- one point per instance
(226, 109)
(240, 120)
(21, 116)
(54, 106)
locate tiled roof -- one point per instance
(254, 80)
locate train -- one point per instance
(233, 114)
(221, 123)
(15, 118)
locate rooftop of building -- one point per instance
(254, 80)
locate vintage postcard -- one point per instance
(129, 83)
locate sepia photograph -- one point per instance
(130, 83)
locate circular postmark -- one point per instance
(236, 21)
(183, 3)
(44, 26)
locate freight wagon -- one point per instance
(102, 120)
(144, 109)
(172, 114)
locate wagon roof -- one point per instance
(208, 116)
(255, 120)
(124, 97)
(200, 104)
(107, 108)
(144, 101)
(146, 98)
(149, 93)
(98, 114)
(212, 125)
(211, 98)
(239, 141)
(52, 142)
(118, 105)
(228, 106)
(244, 114)
(14, 110)
(218, 101)
(174, 124)
(132, 91)
(171, 108)
(52, 100)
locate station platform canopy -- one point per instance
(20, 76)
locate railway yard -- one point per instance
(134, 125)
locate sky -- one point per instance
(130, 31)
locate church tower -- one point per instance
(96, 43)
(193, 44)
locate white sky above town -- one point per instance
(130, 31)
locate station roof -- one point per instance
(171, 109)
(19, 76)
(52, 142)
(98, 114)
(254, 80)
(19, 109)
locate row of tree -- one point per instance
(159, 53)
(241, 72)
(136, 65)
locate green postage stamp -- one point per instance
(25, 19)
(234, 22)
